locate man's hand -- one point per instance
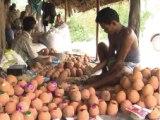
(116, 67)
(88, 71)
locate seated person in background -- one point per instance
(13, 13)
(23, 44)
(58, 21)
(17, 27)
(120, 57)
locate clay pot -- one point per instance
(56, 113)
(102, 107)
(30, 87)
(93, 100)
(82, 107)
(137, 75)
(73, 72)
(154, 115)
(22, 106)
(18, 90)
(6, 87)
(154, 82)
(10, 107)
(112, 108)
(4, 98)
(75, 105)
(25, 99)
(4, 116)
(92, 91)
(138, 85)
(28, 116)
(63, 104)
(12, 80)
(146, 73)
(22, 83)
(141, 103)
(34, 112)
(73, 88)
(85, 94)
(38, 93)
(125, 82)
(147, 90)
(46, 97)
(59, 92)
(14, 99)
(52, 105)
(37, 104)
(1, 108)
(83, 115)
(57, 100)
(79, 72)
(39, 79)
(44, 115)
(31, 95)
(68, 111)
(94, 111)
(150, 101)
(157, 96)
(133, 96)
(17, 116)
(52, 86)
(105, 95)
(126, 105)
(75, 96)
(120, 97)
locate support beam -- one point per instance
(134, 16)
(97, 28)
(4, 4)
(66, 10)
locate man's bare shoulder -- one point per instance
(128, 32)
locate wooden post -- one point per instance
(97, 28)
(66, 10)
(4, 4)
(134, 16)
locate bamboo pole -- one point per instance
(66, 10)
(97, 28)
(134, 16)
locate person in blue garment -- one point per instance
(122, 54)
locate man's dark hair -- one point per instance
(107, 15)
(28, 23)
(12, 7)
(22, 15)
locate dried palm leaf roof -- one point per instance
(81, 5)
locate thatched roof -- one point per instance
(82, 5)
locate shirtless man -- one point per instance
(121, 56)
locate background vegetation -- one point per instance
(83, 26)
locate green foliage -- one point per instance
(144, 17)
(83, 26)
(78, 32)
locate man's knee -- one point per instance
(102, 47)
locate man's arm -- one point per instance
(34, 55)
(99, 66)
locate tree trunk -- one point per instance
(2, 27)
(134, 16)
(69, 9)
